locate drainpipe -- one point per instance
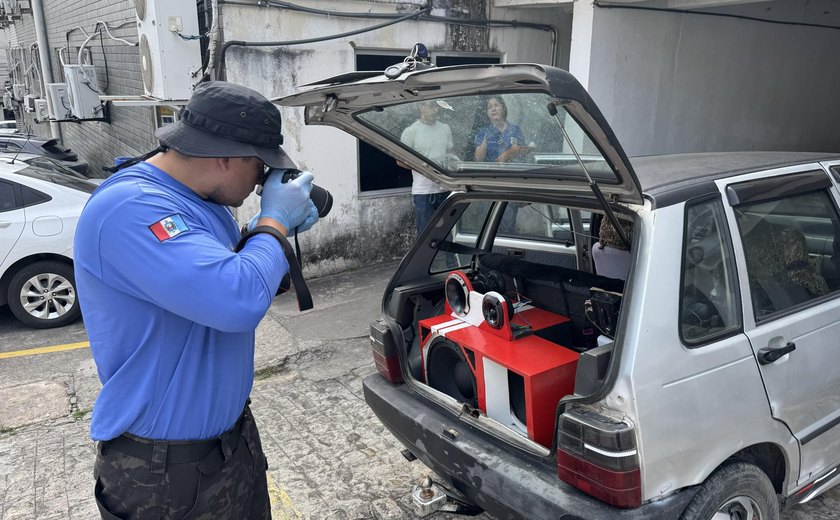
(44, 55)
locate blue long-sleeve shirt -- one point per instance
(498, 142)
(169, 308)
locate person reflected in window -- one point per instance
(499, 141)
(433, 140)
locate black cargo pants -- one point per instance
(219, 479)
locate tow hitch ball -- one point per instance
(430, 497)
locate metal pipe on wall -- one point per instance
(44, 55)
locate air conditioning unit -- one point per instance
(7, 101)
(58, 101)
(29, 103)
(42, 110)
(18, 90)
(83, 91)
(167, 60)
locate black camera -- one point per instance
(320, 197)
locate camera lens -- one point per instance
(322, 199)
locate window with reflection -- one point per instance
(515, 132)
(792, 250)
(465, 232)
(709, 307)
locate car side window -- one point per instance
(792, 249)
(7, 197)
(465, 232)
(536, 221)
(709, 303)
(32, 197)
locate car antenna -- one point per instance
(552, 109)
(20, 148)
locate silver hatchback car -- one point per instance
(580, 335)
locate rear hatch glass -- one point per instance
(524, 126)
(521, 132)
(58, 178)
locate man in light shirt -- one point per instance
(433, 140)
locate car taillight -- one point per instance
(597, 455)
(385, 351)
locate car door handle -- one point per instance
(769, 354)
(4, 224)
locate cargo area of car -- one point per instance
(507, 337)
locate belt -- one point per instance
(162, 452)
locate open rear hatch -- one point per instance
(564, 144)
(494, 336)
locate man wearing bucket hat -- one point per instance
(171, 309)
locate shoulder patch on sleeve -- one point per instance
(169, 227)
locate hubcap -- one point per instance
(47, 296)
(739, 508)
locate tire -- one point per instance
(738, 491)
(43, 295)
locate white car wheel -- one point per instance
(43, 295)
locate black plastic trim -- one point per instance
(819, 431)
(776, 187)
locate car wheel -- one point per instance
(43, 295)
(738, 491)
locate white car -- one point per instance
(39, 210)
(8, 127)
(48, 163)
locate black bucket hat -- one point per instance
(224, 119)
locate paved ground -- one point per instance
(329, 457)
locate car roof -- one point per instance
(9, 157)
(33, 176)
(24, 137)
(671, 179)
(8, 167)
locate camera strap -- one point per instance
(304, 297)
(134, 160)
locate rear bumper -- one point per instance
(504, 482)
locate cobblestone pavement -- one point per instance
(329, 458)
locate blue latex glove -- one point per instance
(308, 223)
(289, 203)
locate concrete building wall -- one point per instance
(672, 82)
(131, 129)
(364, 227)
(534, 46)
